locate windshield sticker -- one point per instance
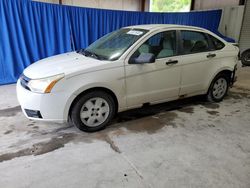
(134, 32)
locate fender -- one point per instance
(228, 68)
(121, 99)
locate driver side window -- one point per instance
(161, 45)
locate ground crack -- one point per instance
(112, 144)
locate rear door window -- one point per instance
(194, 42)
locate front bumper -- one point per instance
(48, 107)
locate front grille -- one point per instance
(24, 81)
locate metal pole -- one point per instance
(143, 5)
(192, 5)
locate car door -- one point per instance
(158, 81)
(196, 59)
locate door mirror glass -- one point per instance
(143, 58)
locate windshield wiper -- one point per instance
(90, 54)
(84, 52)
(81, 51)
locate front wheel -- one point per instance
(93, 111)
(218, 88)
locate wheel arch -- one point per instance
(105, 89)
(245, 50)
(227, 71)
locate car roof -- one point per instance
(152, 27)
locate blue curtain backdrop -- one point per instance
(30, 31)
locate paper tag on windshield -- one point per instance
(134, 32)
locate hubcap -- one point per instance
(94, 112)
(219, 88)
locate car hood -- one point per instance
(67, 63)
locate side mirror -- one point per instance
(143, 58)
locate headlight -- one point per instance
(44, 85)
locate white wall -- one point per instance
(231, 21)
(214, 4)
(245, 31)
(131, 5)
(232, 15)
(48, 1)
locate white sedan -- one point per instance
(136, 65)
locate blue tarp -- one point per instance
(30, 31)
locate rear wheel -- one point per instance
(245, 58)
(93, 111)
(218, 88)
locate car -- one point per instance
(125, 69)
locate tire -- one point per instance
(93, 111)
(218, 88)
(245, 58)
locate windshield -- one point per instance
(113, 45)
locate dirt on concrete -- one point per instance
(148, 119)
(166, 144)
(41, 147)
(213, 112)
(9, 112)
(189, 110)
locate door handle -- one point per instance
(211, 55)
(171, 62)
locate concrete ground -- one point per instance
(189, 143)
